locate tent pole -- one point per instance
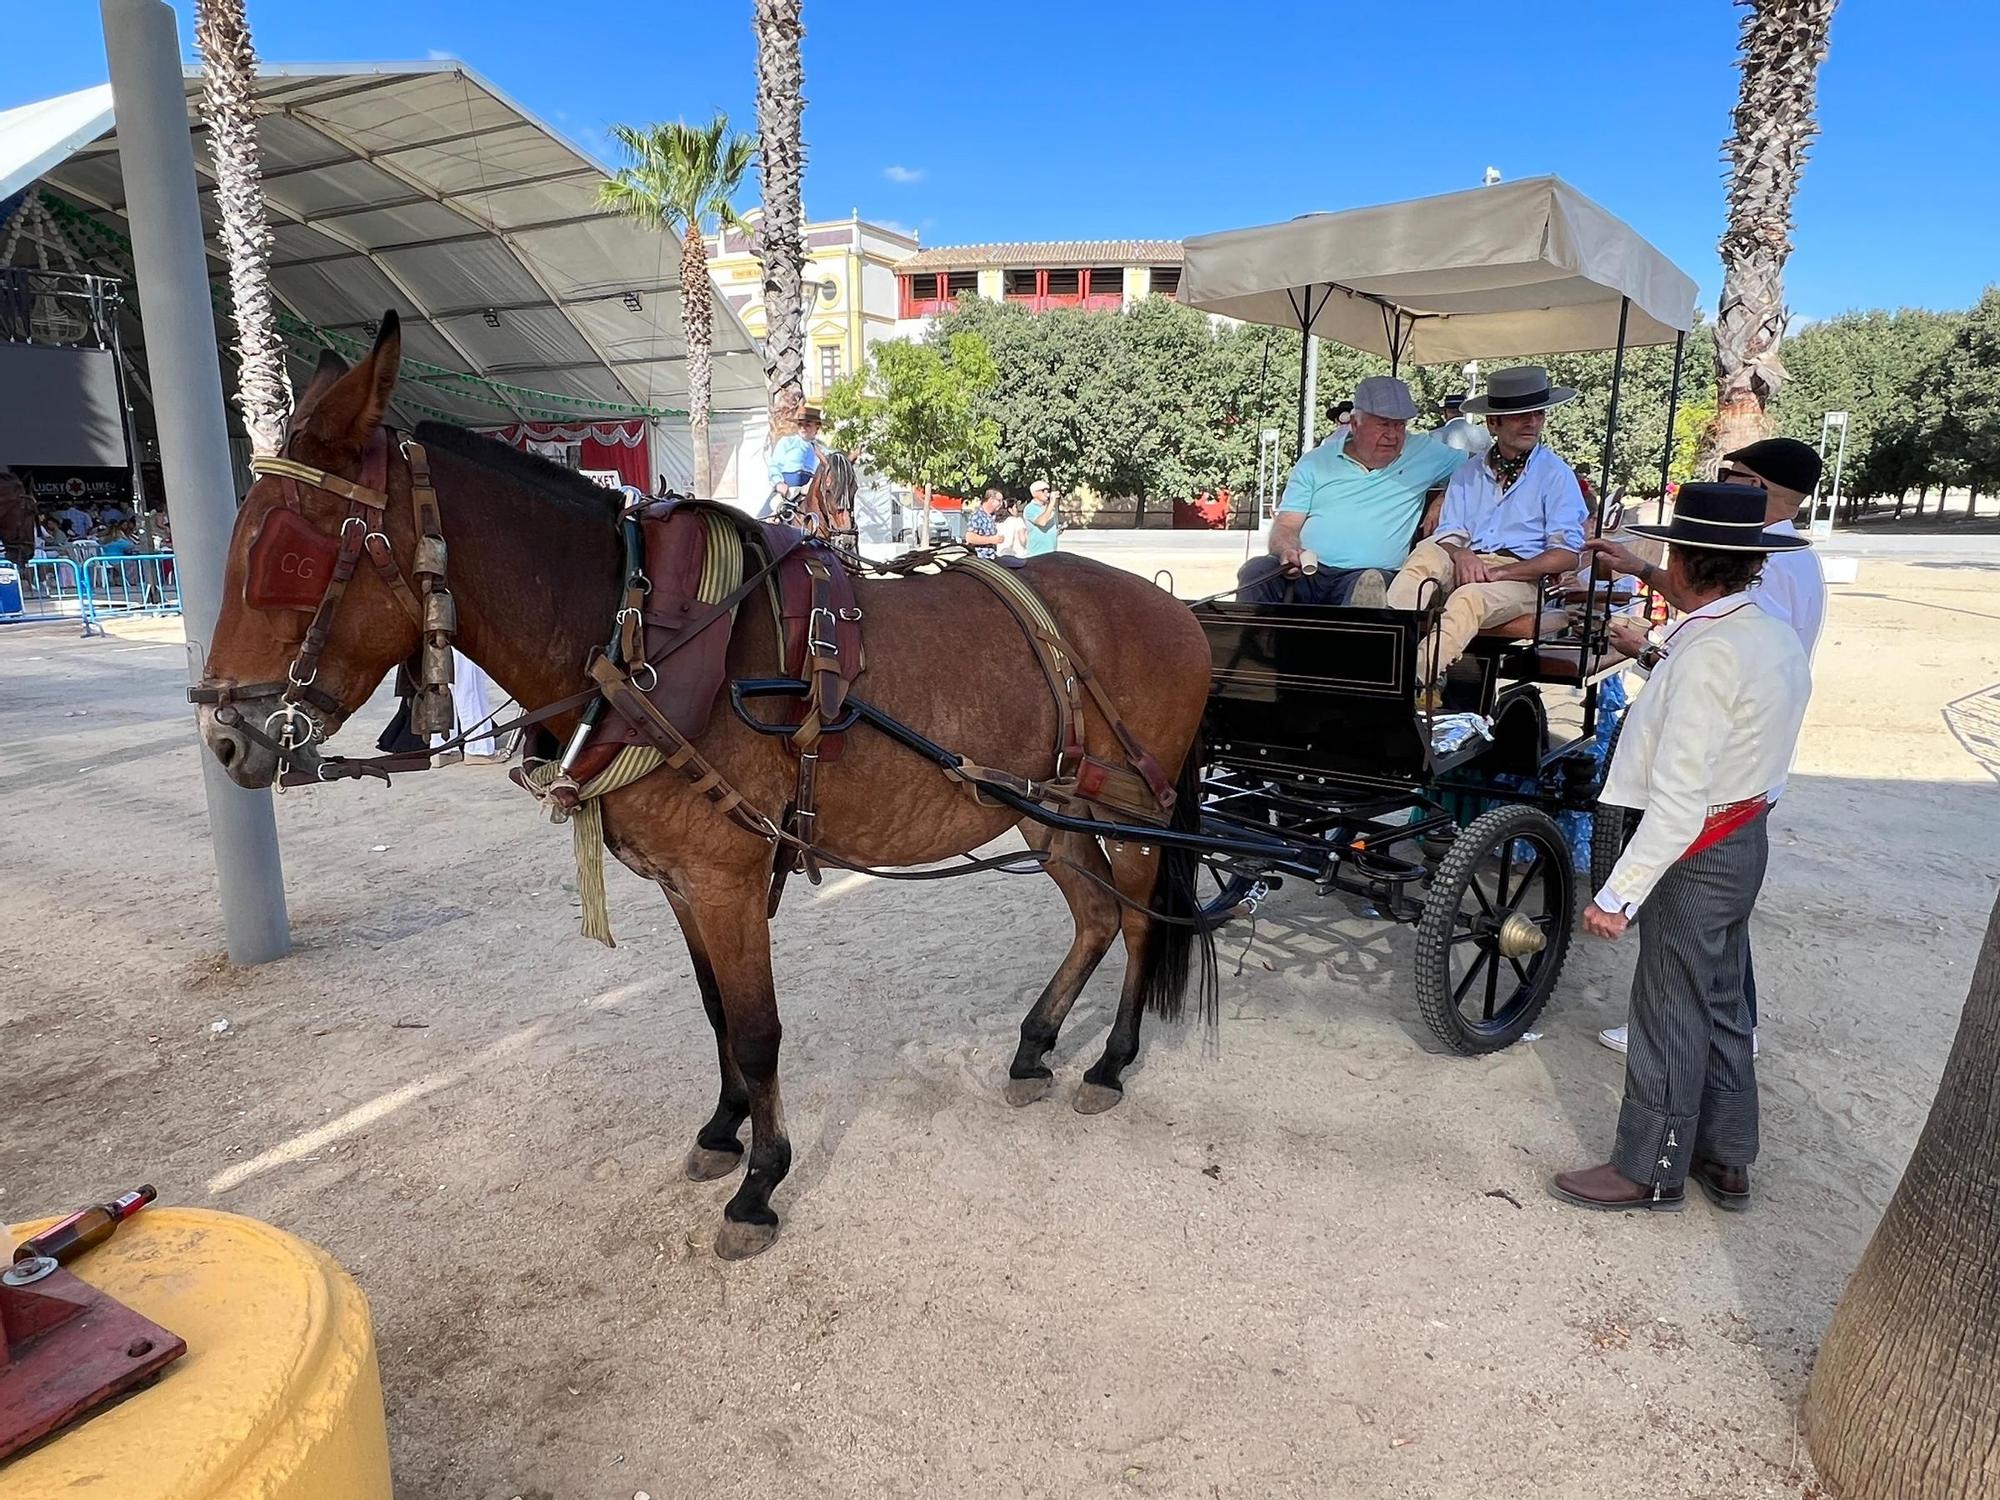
(171, 266)
(1308, 371)
(1673, 411)
(1597, 563)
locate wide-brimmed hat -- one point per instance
(1510, 392)
(1721, 518)
(810, 414)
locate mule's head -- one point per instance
(281, 554)
(17, 519)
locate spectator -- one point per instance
(982, 530)
(1044, 518)
(1013, 533)
(76, 521)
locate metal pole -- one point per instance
(157, 163)
(1673, 411)
(1308, 393)
(1603, 489)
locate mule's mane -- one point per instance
(565, 487)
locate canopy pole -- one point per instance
(1596, 562)
(1673, 411)
(1308, 367)
(171, 265)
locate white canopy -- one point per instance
(1529, 267)
(420, 186)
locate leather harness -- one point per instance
(668, 548)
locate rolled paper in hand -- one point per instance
(1308, 563)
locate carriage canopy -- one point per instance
(1514, 268)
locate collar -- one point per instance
(1783, 528)
(1715, 609)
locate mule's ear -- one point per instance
(331, 368)
(354, 405)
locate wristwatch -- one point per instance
(1653, 654)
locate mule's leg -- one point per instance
(1095, 914)
(716, 1151)
(1101, 1087)
(730, 914)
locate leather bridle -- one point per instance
(293, 726)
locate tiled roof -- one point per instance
(1047, 253)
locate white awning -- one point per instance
(420, 186)
(1529, 267)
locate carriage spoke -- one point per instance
(1471, 973)
(1527, 882)
(1492, 984)
(1484, 905)
(1520, 972)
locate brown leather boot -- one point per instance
(1727, 1187)
(1608, 1189)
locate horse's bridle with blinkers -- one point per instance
(285, 564)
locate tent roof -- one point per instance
(1527, 267)
(420, 186)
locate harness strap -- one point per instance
(320, 479)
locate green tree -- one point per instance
(915, 414)
(679, 180)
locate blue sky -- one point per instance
(1044, 121)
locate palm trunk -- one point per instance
(1905, 1397)
(229, 64)
(697, 313)
(1781, 45)
(780, 108)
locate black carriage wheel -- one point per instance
(1495, 929)
(1222, 895)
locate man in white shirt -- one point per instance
(1700, 753)
(1512, 517)
(1791, 587)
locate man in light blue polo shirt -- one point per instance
(1354, 503)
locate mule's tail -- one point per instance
(1181, 942)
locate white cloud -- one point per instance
(903, 174)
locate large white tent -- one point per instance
(1529, 267)
(420, 186)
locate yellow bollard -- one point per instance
(277, 1398)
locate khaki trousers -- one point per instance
(1468, 609)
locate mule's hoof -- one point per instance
(736, 1240)
(1095, 1098)
(1020, 1091)
(704, 1165)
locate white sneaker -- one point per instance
(1371, 590)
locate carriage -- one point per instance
(1460, 821)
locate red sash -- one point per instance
(1723, 821)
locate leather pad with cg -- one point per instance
(290, 563)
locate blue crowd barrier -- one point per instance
(134, 583)
(47, 588)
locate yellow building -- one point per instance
(851, 291)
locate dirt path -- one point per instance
(1322, 1264)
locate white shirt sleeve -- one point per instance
(1699, 689)
(1456, 517)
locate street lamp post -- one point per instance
(1822, 528)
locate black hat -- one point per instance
(1722, 518)
(1522, 388)
(1785, 462)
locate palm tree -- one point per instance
(1782, 45)
(228, 93)
(780, 242)
(1905, 1395)
(680, 181)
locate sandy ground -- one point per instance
(1322, 1264)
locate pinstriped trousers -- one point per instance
(1690, 1080)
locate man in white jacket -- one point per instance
(1701, 752)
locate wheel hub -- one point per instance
(1519, 936)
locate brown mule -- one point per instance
(826, 509)
(535, 568)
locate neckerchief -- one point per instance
(1507, 471)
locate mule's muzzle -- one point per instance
(253, 739)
